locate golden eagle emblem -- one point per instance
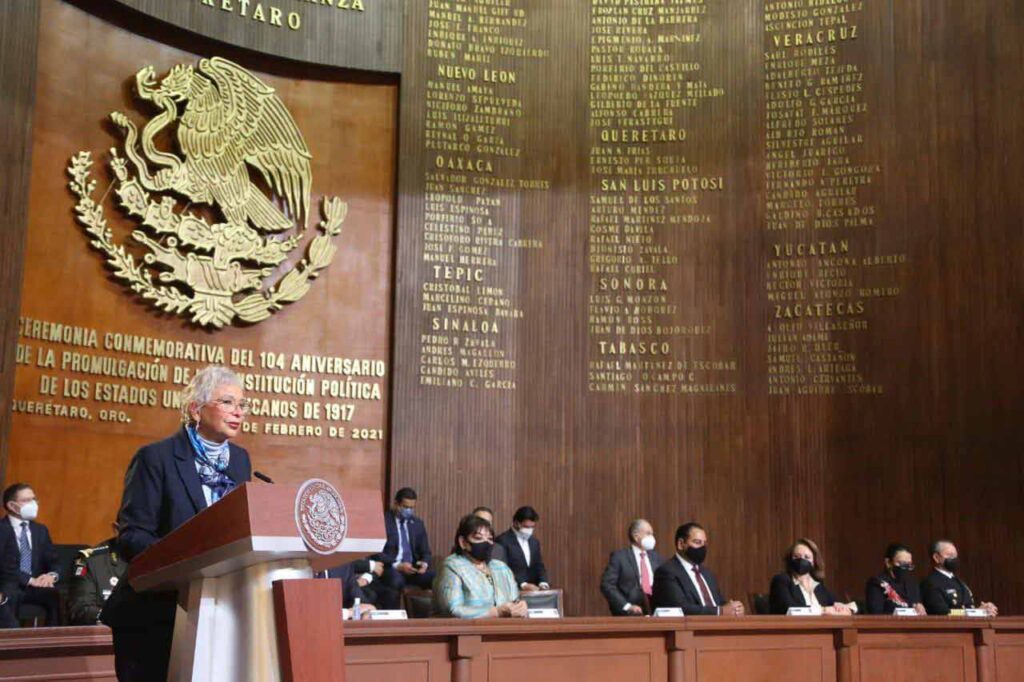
(233, 132)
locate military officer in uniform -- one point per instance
(97, 571)
(943, 591)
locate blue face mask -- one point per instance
(405, 512)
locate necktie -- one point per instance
(645, 575)
(25, 562)
(404, 552)
(705, 593)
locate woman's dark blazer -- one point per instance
(161, 491)
(784, 594)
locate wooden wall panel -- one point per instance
(554, 660)
(915, 657)
(930, 455)
(19, 28)
(86, 70)
(418, 662)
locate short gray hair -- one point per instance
(200, 389)
(634, 526)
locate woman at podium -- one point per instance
(470, 583)
(802, 584)
(167, 483)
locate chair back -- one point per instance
(544, 599)
(418, 603)
(762, 605)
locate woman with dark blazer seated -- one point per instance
(167, 483)
(802, 582)
(895, 587)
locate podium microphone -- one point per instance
(262, 476)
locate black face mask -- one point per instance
(952, 564)
(481, 551)
(800, 566)
(696, 555)
(901, 572)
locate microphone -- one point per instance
(262, 476)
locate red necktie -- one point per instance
(705, 593)
(645, 575)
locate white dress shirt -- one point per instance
(810, 598)
(688, 567)
(525, 546)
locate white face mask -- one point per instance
(525, 533)
(648, 543)
(29, 511)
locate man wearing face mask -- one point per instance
(523, 551)
(406, 559)
(895, 587)
(628, 580)
(943, 590)
(37, 558)
(685, 582)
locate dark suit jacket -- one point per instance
(9, 557)
(44, 554)
(876, 601)
(161, 491)
(673, 587)
(940, 594)
(349, 574)
(534, 573)
(620, 583)
(418, 540)
(784, 594)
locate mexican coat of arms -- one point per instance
(211, 265)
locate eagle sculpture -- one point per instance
(231, 121)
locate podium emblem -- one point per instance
(220, 213)
(320, 516)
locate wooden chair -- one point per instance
(544, 599)
(418, 603)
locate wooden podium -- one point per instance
(248, 608)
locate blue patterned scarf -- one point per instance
(213, 461)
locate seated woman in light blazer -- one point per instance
(802, 583)
(470, 583)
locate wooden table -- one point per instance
(754, 648)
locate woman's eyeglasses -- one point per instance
(231, 405)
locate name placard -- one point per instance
(669, 612)
(543, 613)
(389, 614)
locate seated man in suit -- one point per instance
(356, 578)
(943, 590)
(406, 557)
(685, 583)
(628, 580)
(523, 551)
(37, 557)
(497, 552)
